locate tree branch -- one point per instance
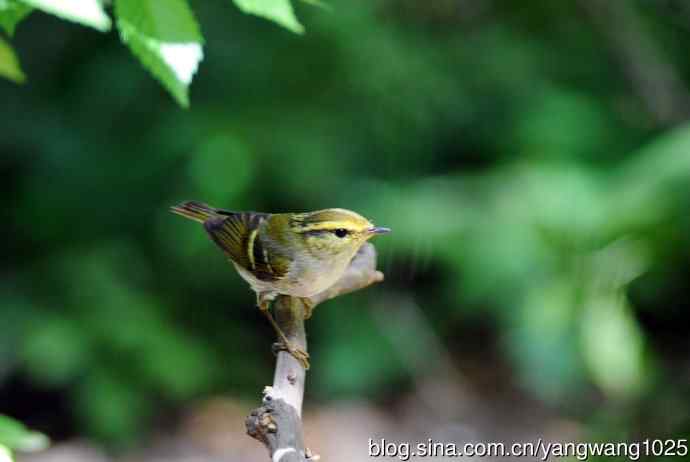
(277, 423)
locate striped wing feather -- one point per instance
(238, 235)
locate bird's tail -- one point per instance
(196, 211)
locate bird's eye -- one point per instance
(340, 232)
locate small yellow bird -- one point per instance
(295, 254)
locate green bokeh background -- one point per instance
(538, 193)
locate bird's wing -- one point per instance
(238, 235)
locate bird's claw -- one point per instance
(298, 353)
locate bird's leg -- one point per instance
(283, 342)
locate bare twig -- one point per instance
(277, 423)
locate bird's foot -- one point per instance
(298, 353)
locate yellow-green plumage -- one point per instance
(298, 254)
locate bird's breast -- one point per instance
(309, 276)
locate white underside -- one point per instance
(307, 277)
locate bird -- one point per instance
(294, 254)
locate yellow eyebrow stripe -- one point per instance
(328, 225)
(250, 247)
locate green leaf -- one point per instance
(5, 454)
(641, 197)
(14, 435)
(87, 12)
(166, 39)
(613, 346)
(319, 4)
(11, 13)
(279, 11)
(9, 64)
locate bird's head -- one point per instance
(333, 232)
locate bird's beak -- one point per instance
(378, 230)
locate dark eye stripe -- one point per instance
(314, 232)
(339, 232)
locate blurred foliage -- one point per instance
(9, 65)
(11, 13)
(529, 185)
(166, 39)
